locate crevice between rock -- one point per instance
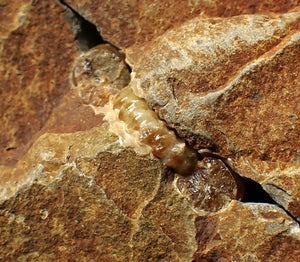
(85, 32)
(253, 191)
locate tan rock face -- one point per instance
(34, 70)
(94, 200)
(218, 81)
(226, 83)
(263, 233)
(71, 212)
(237, 95)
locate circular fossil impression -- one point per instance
(100, 73)
(211, 186)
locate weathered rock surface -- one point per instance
(88, 198)
(261, 233)
(36, 55)
(133, 22)
(230, 85)
(224, 75)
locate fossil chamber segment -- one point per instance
(100, 73)
(135, 112)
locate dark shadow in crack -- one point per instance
(251, 191)
(254, 192)
(86, 33)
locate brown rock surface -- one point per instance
(231, 85)
(129, 22)
(224, 81)
(36, 57)
(247, 232)
(89, 198)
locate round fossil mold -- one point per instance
(100, 73)
(211, 185)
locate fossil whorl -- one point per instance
(100, 73)
(102, 79)
(173, 151)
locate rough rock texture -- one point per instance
(129, 22)
(37, 53)
(224, 75)
(90, 199)
(231, 85)
(261, 233)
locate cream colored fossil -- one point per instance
(103, 82)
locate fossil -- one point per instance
(102, 79)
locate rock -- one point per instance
(283, 187)
(231, 86)
(225, 82)
(93, 199)
(247, 232)
(34, 71)
(132, 22)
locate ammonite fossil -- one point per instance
(103, 82)
(102, 77)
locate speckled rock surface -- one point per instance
(90, 199)
(36, 56)
(262, 232)
(231, 85)
(223, 75)
(133, 22)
